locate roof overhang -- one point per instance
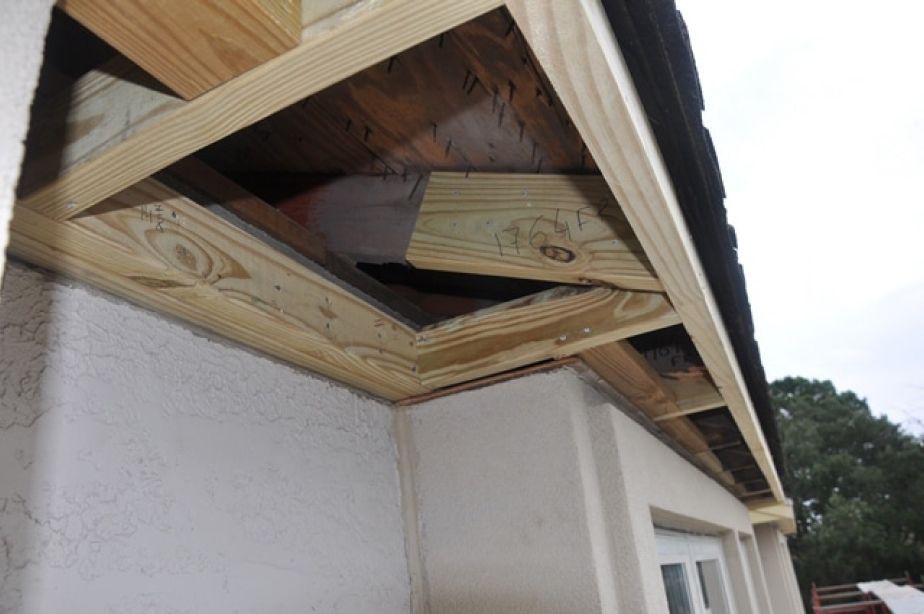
(104, 218)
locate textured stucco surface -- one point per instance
(500, 509)
(22, 39)
(782, 586)
(540, 495)
(147, 469)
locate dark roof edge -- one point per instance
(654, 42)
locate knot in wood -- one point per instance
(557, 253)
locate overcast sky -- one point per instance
(817, 112)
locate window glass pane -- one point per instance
(678, 593)
(702, 583)
(710, 578)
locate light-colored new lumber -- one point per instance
(365, 36)
(564, 228)
(630, 374)
(693, 395)
(551, 324)
(770, 510)
(575, 45)
(163, 251)
(193, 45)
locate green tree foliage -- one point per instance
(857, 482)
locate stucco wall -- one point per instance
(536, 495)
(146, 468)
(22, 38)
(782, 586)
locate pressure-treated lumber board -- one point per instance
(627, 371)
(202, 183)
(193, 45)
(165, 252)
(551, 324)
(316, 10)
(780, 513)
(693, 395)
(574, 43)
(105, 106)
(363, 37)
(565, 228)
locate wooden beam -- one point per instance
(540, 367)
(193, 45)
(163, 251)
(368, 218)
(693, 395)
(633, 377)
(769, 510)
(564, 228)
(659, 397)
(575, 45)
(362, 37)
(199, 181)
(551, 324)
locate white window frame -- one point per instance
(688, 549)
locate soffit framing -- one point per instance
(148, 243)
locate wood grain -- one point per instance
(81, 120)
(575, 46)
(627, 371)
(199, 181)
(631, 375)
(163, 251)
(470, 99)
(693, 394)
(565, 228)
(193, 45)
(365, 37)
(551, 324)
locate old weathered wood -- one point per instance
(369, 218)
(362, 38)
(550, 324)
(565, 228)
(471, 99)
(163, 251)
(575, 46)
(193, 45)
(249, 208)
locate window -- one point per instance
(693, 571)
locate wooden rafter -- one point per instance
(120, 155)
(551, 324)
(550, 227)
(163, 251)
(197, 177)
(627, 371)
(575, 45)
(193, 45)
